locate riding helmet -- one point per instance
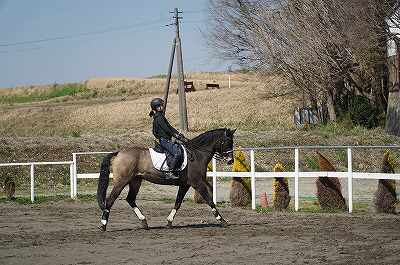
(156, 102)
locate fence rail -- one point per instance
(32, 172)
(296, 174)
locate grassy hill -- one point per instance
(120, 106)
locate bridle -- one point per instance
(219, 154)
(223, 155)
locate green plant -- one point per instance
(57, 91)
(260, 209)
(37, 200)
(86, 197)
(312, 163)
(168, 201)
(77, 132)
(341, 154)
(122, 90)
(361, 111)
(65, 180)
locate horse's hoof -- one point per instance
(224, 223)
(103, 228)
(169, 225)
(144, 224)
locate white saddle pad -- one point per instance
(159, 160)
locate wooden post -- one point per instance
(171, 62)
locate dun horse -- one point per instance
(133, 165)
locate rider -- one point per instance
(163, 131)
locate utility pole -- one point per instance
(177, 46)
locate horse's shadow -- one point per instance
(194, 226)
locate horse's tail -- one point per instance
(103, 180)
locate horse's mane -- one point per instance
(200, 139)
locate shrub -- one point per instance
(361, 111)
(281, 196)
(329, 190)
(386, 197)
(240, 193)
(9, 188)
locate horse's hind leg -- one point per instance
(202, 189)
(179, 198)
(116, 191)
(134, 186)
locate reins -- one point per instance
(220, 155)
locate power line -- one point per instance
(193, 21)
(68, 43)
(88, 33)
(196, 58)
(195, 11)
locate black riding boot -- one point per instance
(173, 168)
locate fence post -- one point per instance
(253, 181)
(32, 183)
(71, 178)
(214, 168)
(296, 179)
(74, 181)
(350, 179)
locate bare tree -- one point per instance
(321, 46)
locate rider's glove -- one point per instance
(181, 137)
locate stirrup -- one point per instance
(170, 175)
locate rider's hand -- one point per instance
(181, 137)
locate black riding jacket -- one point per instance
(162, 128)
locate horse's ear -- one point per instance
(229, 133)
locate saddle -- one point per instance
(161, 158)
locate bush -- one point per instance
(361, 112)
(240, 194)
(386, 196)
(329, 190)
(281, 196)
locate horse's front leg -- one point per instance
(179, 198)
(202, 189)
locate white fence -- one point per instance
(296, 174)
(32, 165)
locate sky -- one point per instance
(44, 42)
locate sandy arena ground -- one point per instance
(68, 233)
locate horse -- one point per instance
(131, 166)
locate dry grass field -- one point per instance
(121, 106)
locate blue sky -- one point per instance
(121, 38)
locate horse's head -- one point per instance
(225, 146)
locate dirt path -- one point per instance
(67, 233)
